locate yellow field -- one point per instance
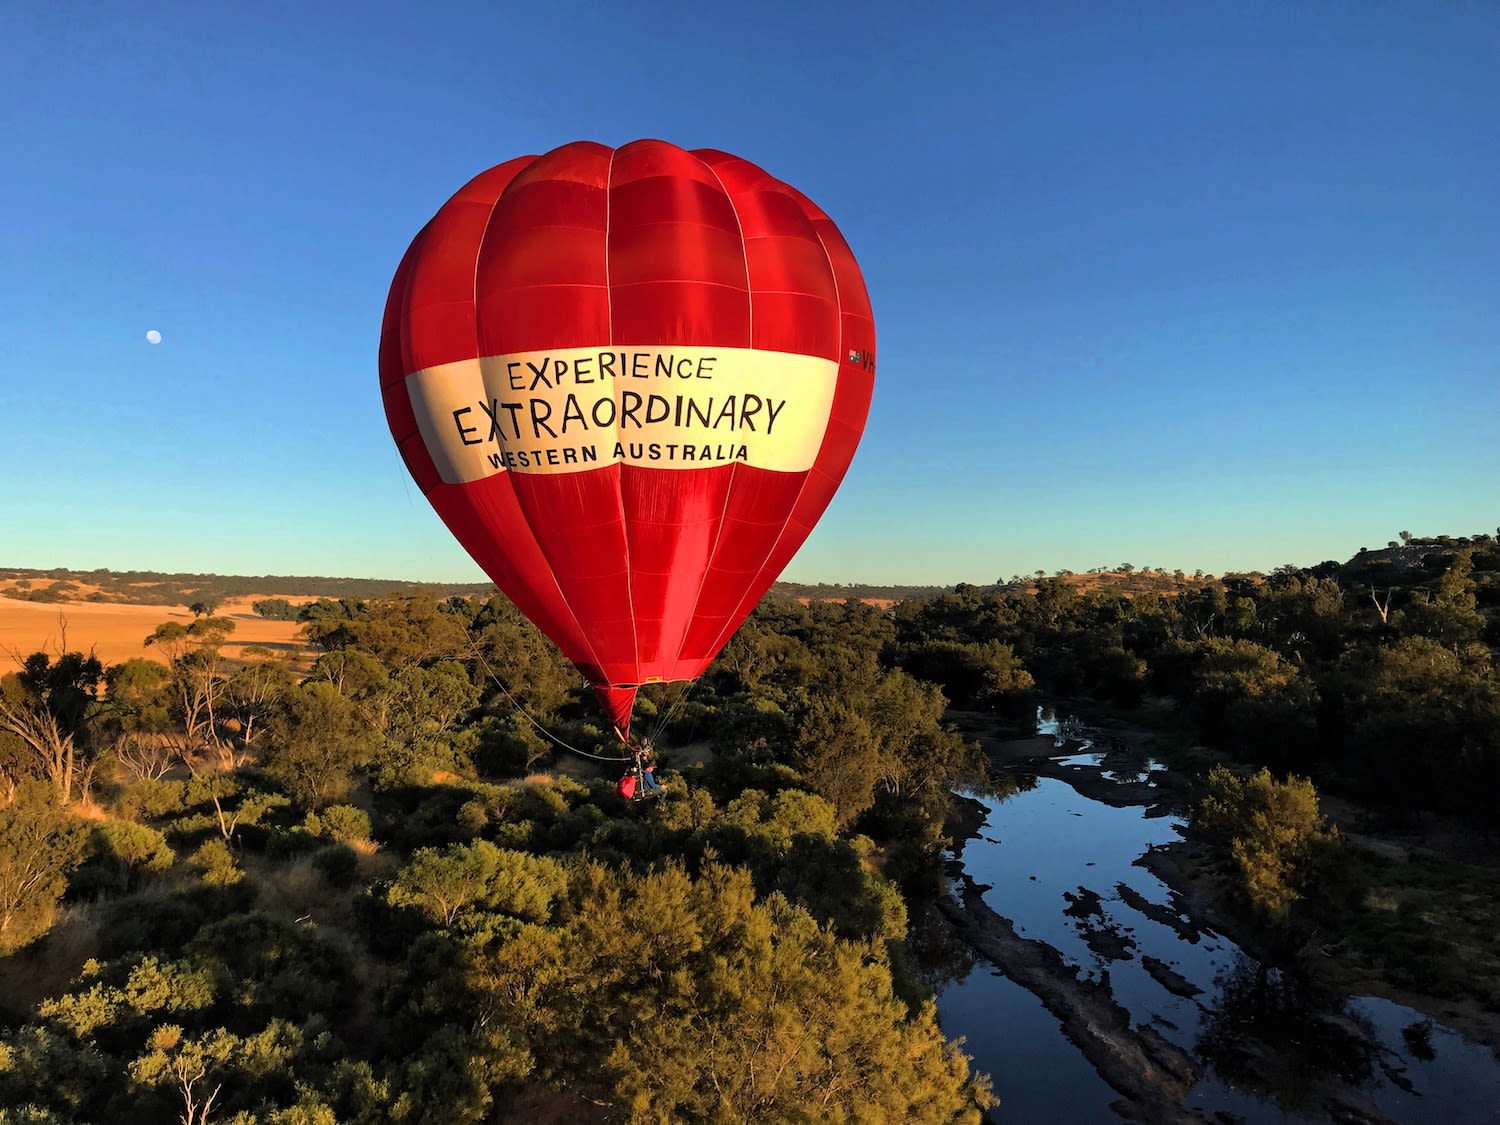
(116, 631)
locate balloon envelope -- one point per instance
(629, 381)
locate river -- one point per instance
(1062, 867)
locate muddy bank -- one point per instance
(1153, 1076)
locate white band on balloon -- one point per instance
(573, 409)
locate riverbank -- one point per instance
(1386, 860)
(1155, 1076)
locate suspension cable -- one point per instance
(656, 732)
(543, 731)
(666, 716)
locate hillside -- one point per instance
(152, 588)
(1411, 560)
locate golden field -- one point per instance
(116, 631)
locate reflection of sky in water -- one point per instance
(1066, 841)
(1038, 1075)
(1043, 842)
(1460, 1085)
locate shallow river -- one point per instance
(1048, 842)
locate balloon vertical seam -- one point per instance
(713, 552)
(619, 470)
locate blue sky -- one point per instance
(1186, 285)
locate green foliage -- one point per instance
(133, 848)
(216, 862)
(242, 1016)
(338, 864)
(339, 822)
(442, 885)
(688, 986)
(1426, 924)
(315, 743)
(150, 799)
(164, 919)
(276, 609)
(39, 844)
(1272, 831)
(398, 630)
(837, 754)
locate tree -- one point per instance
(252, 690)
(199, 673)
(186, 1064)
(1451, 615)
(314, 743)
(39, 747)
(837, 753)
(687, 998)
(39, 844)
(138, 716)
(1273, 832)
(398, 630)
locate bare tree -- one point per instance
(143, 755)
(38, 730)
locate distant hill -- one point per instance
(844, 591)
(145, 587)
(1413, 559)
(151, 588)
(1129, 582)
(1417, 558)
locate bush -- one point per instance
(216, 862)
(1272, 831)
(338, 864)
(154, 920)
(340, 822)
(128, 850)
(150, 799)
(287, 844)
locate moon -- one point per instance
(153, 336)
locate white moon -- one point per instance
(153, 336)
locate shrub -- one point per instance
(216, 862)
(150, 799)
(338, 864)
(340, 822)
(1272, 831)
(131, 850)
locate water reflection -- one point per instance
(1269, 1035)
(1064, 868)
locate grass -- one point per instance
(1426, 924)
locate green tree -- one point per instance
(689, 1000)
(137, 719)
(199, 673)
(39, 845)
(1273, 831)
(131, 850)
(838, 756)
(32, 742)
(47, 711)
(1450, 615)
(444, 884)
(315, 742)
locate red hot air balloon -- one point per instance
(629, 381)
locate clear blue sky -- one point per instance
(1188, 285)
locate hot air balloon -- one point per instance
(629, 381)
